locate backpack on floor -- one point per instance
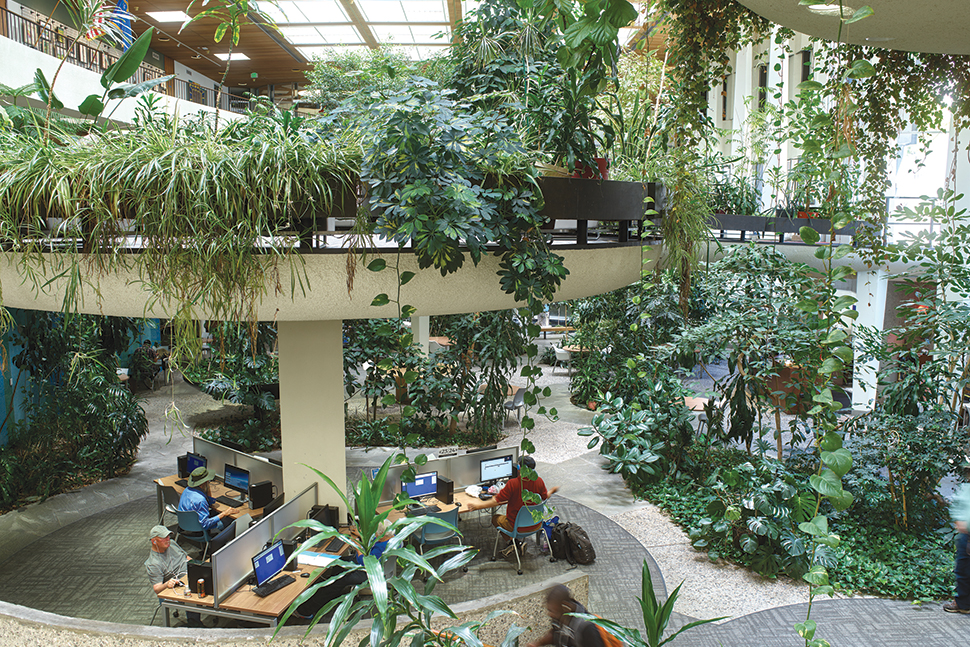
(579, 548)
(557, 542)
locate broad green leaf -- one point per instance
(127, 64)
(220, 32)
(91, 106)
(844, 353)
(860, 70)
(830, 365)
(130, 90)
(827, 483)
(817, 576)
(806, 629)
(861, 13)
(377, 265)
(380, 300)
(44, 90)
(842, 500)
(817, 527)
(810, 86)
(807, 305)
(809, 235)
(406, 277)
(839, 461)
(831, 442)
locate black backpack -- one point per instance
(570, 542)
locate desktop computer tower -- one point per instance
(183, 466)
(446, 490)
(200, 571)
(289, 545)
(260, 494)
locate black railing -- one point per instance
(61, 43)
(191, 91)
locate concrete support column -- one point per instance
(421, 330)
(312, 407)
(871, 290)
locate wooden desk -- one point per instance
(216, 489)
(559, 329)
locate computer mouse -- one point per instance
(305, 575)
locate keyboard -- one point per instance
(229, 501)
(335, 544)
(274, 585)
(417, 512)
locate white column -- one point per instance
(421, 330)
(871, 288)
(312, 407)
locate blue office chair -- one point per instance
(433, 534)
(523, 519)
(191, 529)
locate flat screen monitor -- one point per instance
(194, 461)
(496, 469)
(423, 485)
(236, 478)
(268, 564)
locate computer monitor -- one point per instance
(236, 478)
(481, 449)
(423, 485)
(194, 461)
(268, 564)
(495, 469)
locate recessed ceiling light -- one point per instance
(235, 56)
(167, 16)
(880, 39)
(196, 56)
(164, 39)
(242, 83)
(831, 10)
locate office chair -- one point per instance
(517, 402)
(434, 534)
(189, 523)
(170, 504)
(228, 534)
(523, 520)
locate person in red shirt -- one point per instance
(511, 495)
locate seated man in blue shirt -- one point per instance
(196, 497)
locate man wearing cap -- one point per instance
(196, 497)
(166, 564)
(511, 495)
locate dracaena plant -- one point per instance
(396, 606)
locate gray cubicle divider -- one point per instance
(462, 469)
(291, 512)
(261, 469)
(233, 564)
(218, 455)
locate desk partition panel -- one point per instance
(233, 564)
(291, 512)
(462, 469)
(261, 469)
(218, 455)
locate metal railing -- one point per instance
(60, 42)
